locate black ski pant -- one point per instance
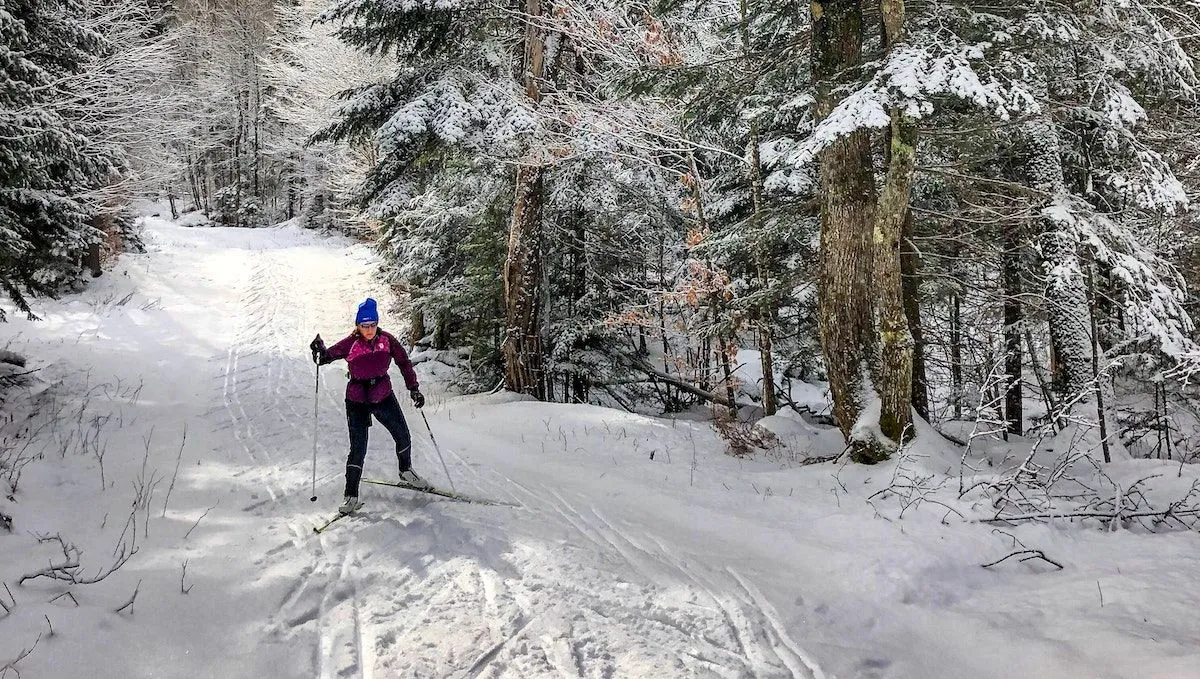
(358, 419)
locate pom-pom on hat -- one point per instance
(367, 312)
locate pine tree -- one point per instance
(47, 163)
(735, 93)
(435, 121)
(481, 143)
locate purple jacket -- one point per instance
(372, 360)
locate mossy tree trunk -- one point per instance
(895, 371)
(847, 199)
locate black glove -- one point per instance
(318, 350)
(417, 397)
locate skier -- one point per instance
(369, 352)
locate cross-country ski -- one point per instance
(433, 490)
(321, 528)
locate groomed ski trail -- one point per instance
(545, 617)
(569, 582)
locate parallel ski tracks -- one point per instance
(757, 639)
(256, 318)
(262, 384)
(725, 627)
(365, 621)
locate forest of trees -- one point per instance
(944, 210)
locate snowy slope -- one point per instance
(616, 562)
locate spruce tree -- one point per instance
(47, 164)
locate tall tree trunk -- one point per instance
(193, 183)
(727, 372)
(763, 317)
(1066, 304)
(256, 121)
(956, 295)
(714, 345)
(763, 313)
(238, 150)
(523, 269)
(1098, 383)
(956, 367)
(91, 256)
(441, 331)
(573, 384)
(896, 354)
(847, 198)
(522, 278)
(1014, 413)
(662, 307)
(206, 190)
(911, 282)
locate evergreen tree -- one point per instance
(462, 110)
(47, 163)
(974, 65)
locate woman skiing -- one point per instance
(369, 352)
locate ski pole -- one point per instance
(316, 428)
(438, 449)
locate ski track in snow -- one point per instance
(562, 585)
(752, 637)
(360, 616)
(271, 295)
(728, 636)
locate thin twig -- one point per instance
(178, 459)
(1094, 515)
(12, 664)
(1030, 554)
(189, 532)
(66, 594)
(132, 598)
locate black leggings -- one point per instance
(358, 419)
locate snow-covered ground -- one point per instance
(636, 548)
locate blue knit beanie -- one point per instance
(367, 313)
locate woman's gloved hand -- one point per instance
(318, 350)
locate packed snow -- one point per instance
(172, 412)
